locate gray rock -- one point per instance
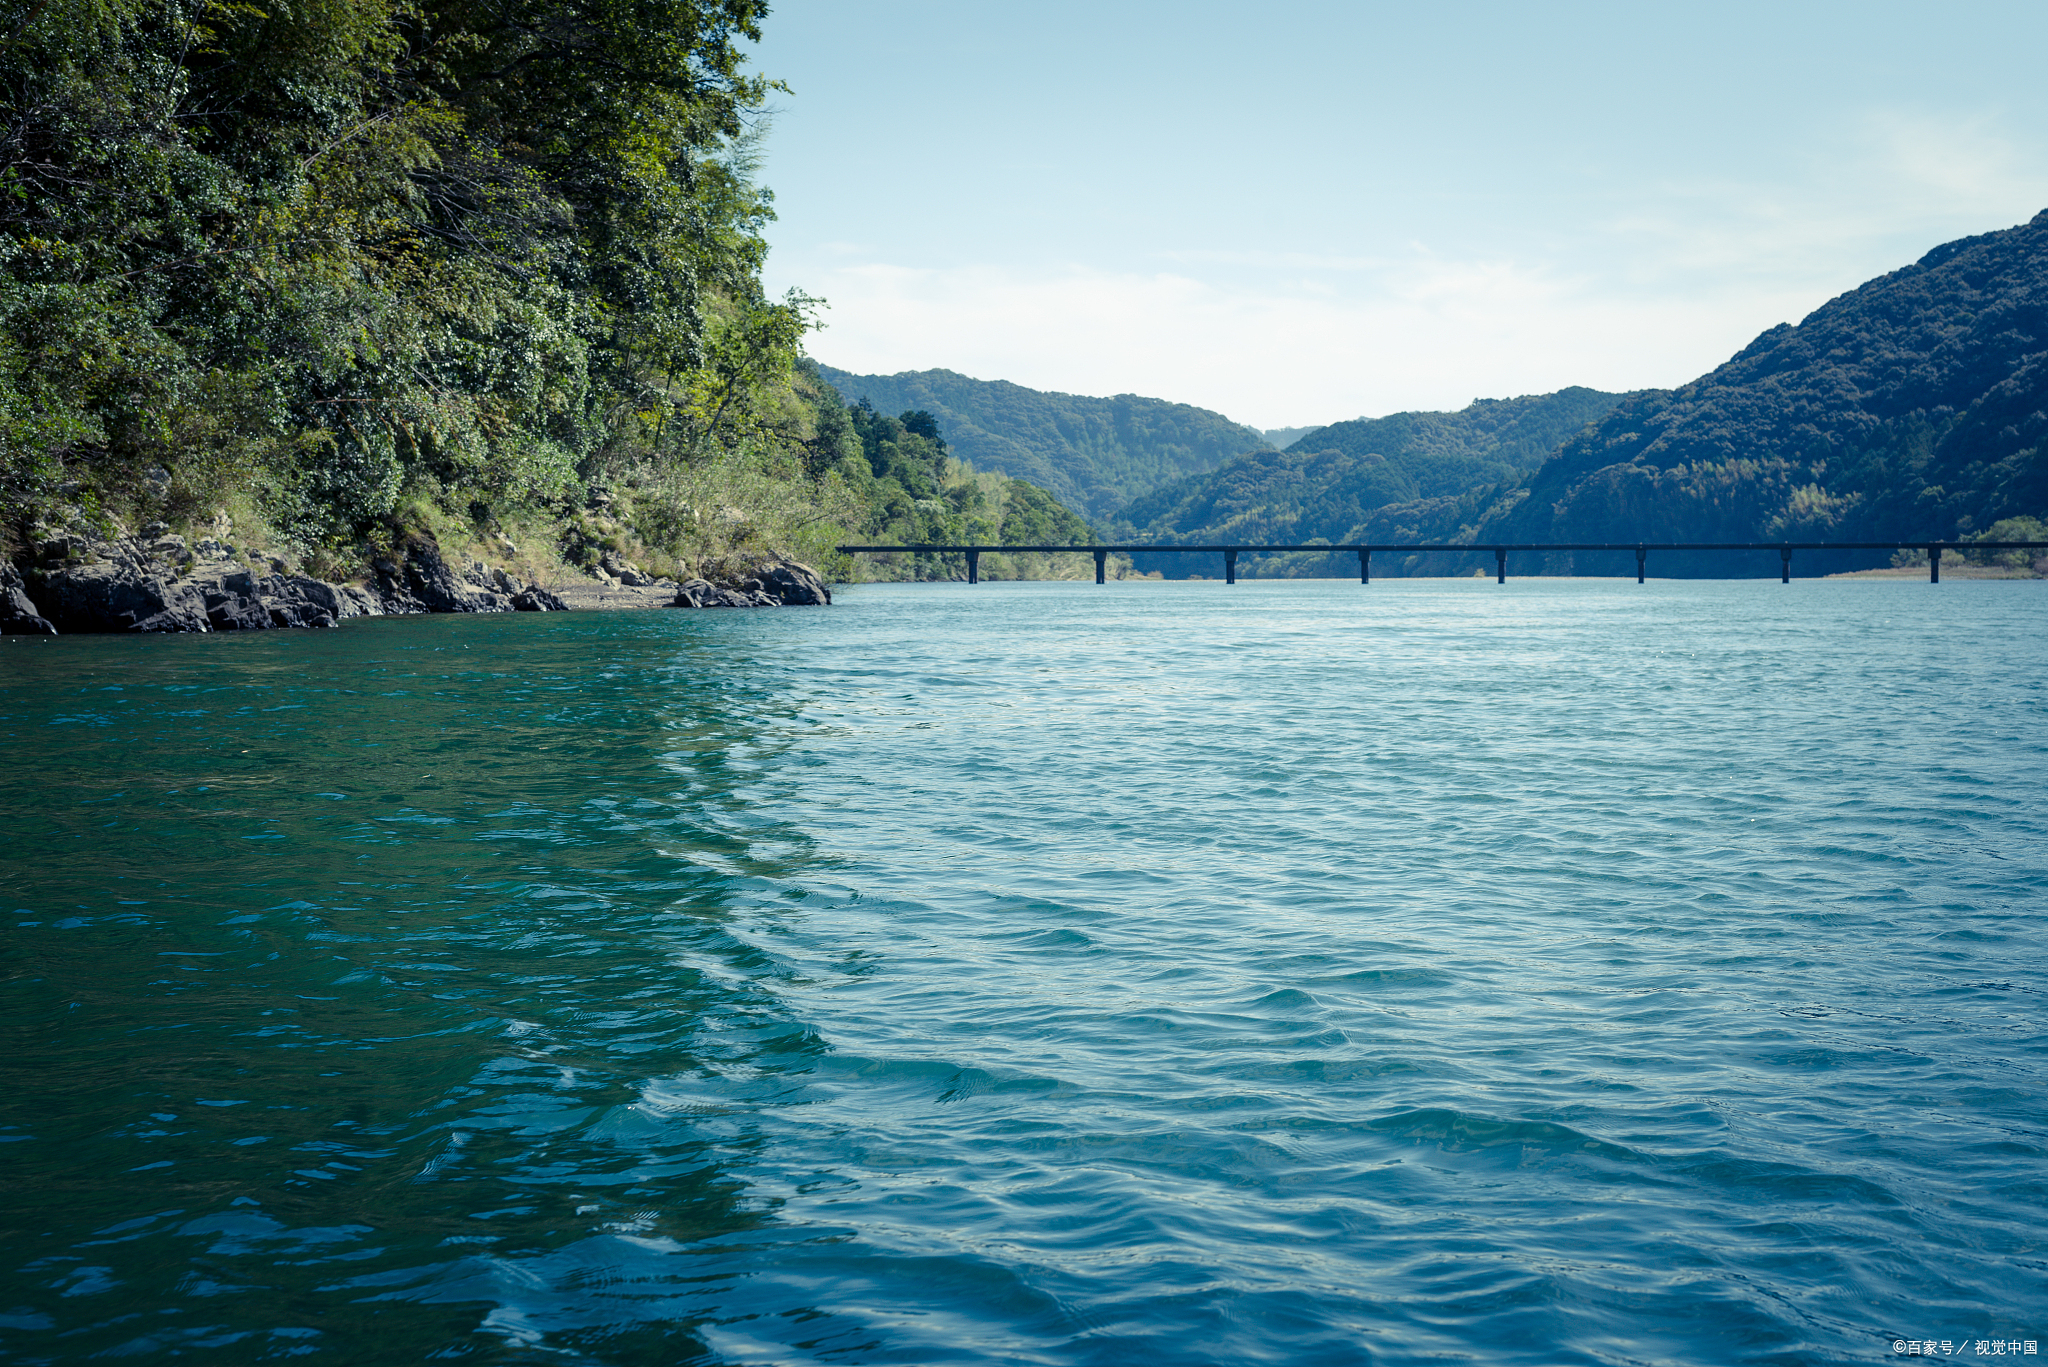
(18, 615)
(755, 582)
(89, 583)
(118, 597)
(231, 611)
(356, 602)
(417, 579)
(794, 585)
(537, 599)
(703, 595)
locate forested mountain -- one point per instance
(1329, 484)
(1913, 406)
(1095, 454)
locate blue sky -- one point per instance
(1301, 214)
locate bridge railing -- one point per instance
(1500, 551)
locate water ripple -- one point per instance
(1574, 972)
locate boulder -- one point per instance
(227, 610)
(702, 593)
(794, 585)
(537, 599)
(130, 594)
(755, 581)
(18, 615)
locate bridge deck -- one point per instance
(1499, 550)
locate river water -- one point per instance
(1293, 972)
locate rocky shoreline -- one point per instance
(92, 580)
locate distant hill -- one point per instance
(1915, 405)
(1331, 482)
(1284, 437)
(1094, 454)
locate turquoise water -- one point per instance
(1294, 972)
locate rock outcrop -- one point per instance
(537, 599)
(702, 593)
(85, 581)
(755, 582)
(18, 615)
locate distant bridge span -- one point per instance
(1500, 551)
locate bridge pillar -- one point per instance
(974, 567)
(1500, 564)
(1100, 556)
(1934, 564)
(1641, 555)
(1365, 566)
(1784, 564)
(1230, 567)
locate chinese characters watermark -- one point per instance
(1983, 1348)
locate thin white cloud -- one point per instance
(1433, 334)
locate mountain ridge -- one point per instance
(1095, 454)
(1912, 406)
(1329, 483)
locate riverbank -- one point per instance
(96, 576)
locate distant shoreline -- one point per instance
(1950, 569)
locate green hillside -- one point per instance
(1095, 454)
(1331, 483)
(315, 283)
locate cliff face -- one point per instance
(1913, 406)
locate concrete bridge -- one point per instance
(1500, 551)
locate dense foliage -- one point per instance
(345, 266)
(1095, 455)
(919, 493)
(348, 246)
